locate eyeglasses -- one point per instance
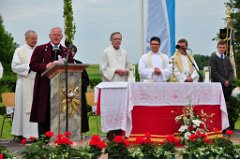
(154, 44)
(117, 39)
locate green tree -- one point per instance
(69, 26)
(7, 48)
(201, 60)
(235, 5)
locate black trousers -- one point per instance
(44, 127)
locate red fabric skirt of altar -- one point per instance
(161, 119)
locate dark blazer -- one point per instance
(85, 82)
(41, 56)
(222, 70)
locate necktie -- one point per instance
(55, 50)
(222, 56)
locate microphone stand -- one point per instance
(66, 80)
(200, 76)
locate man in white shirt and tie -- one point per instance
(154, 65)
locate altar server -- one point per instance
(22, 127)
(154, 65)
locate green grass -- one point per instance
(7, 128)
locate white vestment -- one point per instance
(151, 60)
(24, 93)
(1, 70)
(112, 60)
(181, 77)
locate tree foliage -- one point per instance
(201, 60)
(69, 26)
(235, 5)
(7, 48)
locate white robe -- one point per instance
(147, 72)
(181, 77)
(1, 70)
(24, 93)
(112, 60)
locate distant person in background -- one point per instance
(1, 70)
(154, 65)
(43, 58)
(22, 127)
(85, 82)
(222, 69)
(115, 63)
(114, 66)
(183, 64)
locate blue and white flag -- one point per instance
(161, 23)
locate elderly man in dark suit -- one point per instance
(42, 59)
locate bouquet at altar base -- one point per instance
(192, 123)
(117, 148)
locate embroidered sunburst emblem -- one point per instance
(73, 99)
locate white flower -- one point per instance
(196, 122)
(183, 128)
(186, 135)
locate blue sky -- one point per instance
(196, 20)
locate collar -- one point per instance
(219, 55)
(55, 45)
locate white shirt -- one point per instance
(158, 60)
(112, 60)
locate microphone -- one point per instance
(56, 51)
(180, 47)
(70, 47)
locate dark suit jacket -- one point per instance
(41, 56)
(222, 70)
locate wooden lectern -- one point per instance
(57, 74)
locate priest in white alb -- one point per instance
(154, 65)
(184, 64)
(114, 67)
(22, 127)
(115, 63)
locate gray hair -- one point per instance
(55, 28)
(28, 32)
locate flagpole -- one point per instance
(142, 39)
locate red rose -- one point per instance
(23, 141)
(148, 134)
(216, 130)
(202, 126)
(118, 139)
(1, 156)
(229, 132)
(139, 140)
(67, 134)
(59, 136)
(49, 134)
(192, 137)
(170, 138)
(126, 142)
(191, 128)
(32, 138)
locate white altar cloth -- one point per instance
(117, 100)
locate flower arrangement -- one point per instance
(191, 122)
(61, 148)
(145, 148)
(4, 153)
(117, 148)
